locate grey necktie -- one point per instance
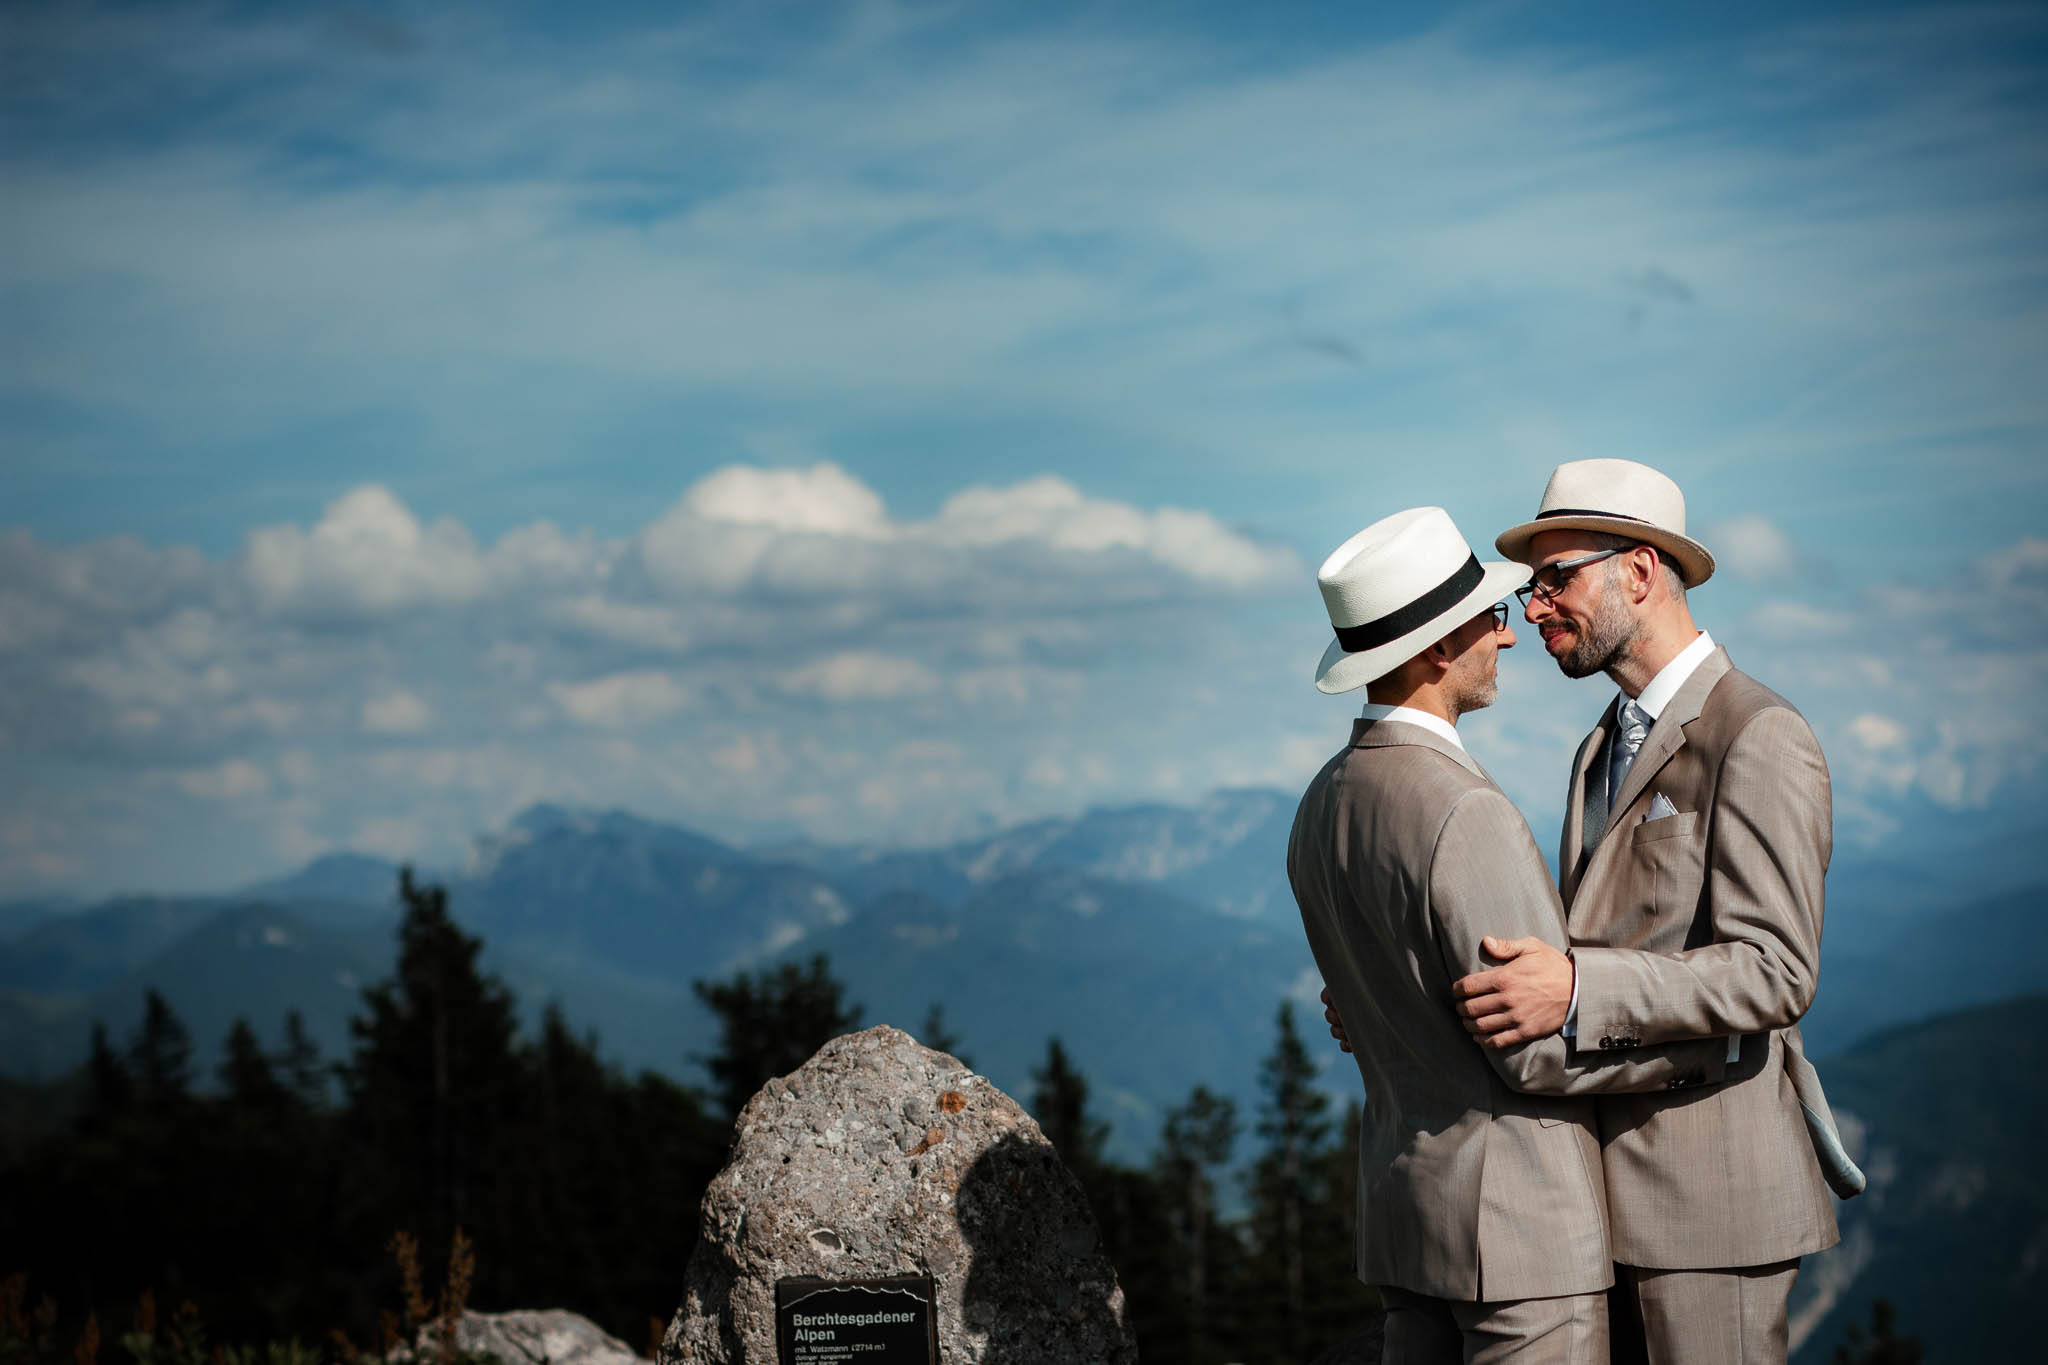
(1631, 728)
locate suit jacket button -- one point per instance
(1606, 1042)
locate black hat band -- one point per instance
(1590, 512)
(1420, 612)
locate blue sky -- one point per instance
(886, 421)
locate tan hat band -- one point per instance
(1420, 612)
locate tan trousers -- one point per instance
(1701, 1317)
(1421, 1330)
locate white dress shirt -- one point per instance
(1672, 676)
(1436, 725)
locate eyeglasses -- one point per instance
(1552, 579)
(1500, 616)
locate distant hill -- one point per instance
(1154, 940)
(83, 950)
(344, 878)
(1948, 1113)
(1151, 994)
(1956, 954)
(1225, 852)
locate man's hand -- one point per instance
(1336, 1021)
(1525, 998)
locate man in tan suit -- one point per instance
(1480, 1208)
(1697, 832)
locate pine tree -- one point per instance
(109, 1088)
(434, 1089)
(934, 1034)
(769, 1024)
(1059, 1101)
(1883, 1345)
(160, 1057)
(247, 1080)
(1194, 1145)
(1126, 1203)
(303, 1073)
(1299, 1223)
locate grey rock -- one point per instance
(882, 1157)
(551, 1336)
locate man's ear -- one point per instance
(1645, 569)
(1439, 657)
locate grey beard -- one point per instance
(1479, 696)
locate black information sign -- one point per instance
(856, 1322)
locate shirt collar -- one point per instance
(1408, 715)
(1672, 676)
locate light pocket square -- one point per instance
(1660, 806)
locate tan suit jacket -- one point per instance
(1700, 923)
(1404, 854)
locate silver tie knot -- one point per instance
(1631, 728)
(1635, 727)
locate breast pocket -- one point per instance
(1670, 827)
(1666, 872)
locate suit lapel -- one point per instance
(1667, 736)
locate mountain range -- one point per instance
(1157, 942)
(1945, 1115)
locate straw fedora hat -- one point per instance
(1619, 497)
(1398, 587)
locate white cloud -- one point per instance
(860, 675)
(1877, 732)
(389, 836)
(1052, 513)
(820, 531)
(2021, 567)
(748, 756)
(540, 555)
(512, 777)
(298, 767)
(367, 553)
(1751, 547)
(1160, 272)
(396, 712)
(1802, 620)
(629, 623)
(231, 779)
(621, 700)
(269, 715)
(1017, 685)
(824, 499)
(1046, 771)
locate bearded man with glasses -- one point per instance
(1482, 1216)
(1697, 833)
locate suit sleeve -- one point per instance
(1767, 853)
(1488, 878)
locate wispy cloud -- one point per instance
(1069, 339)
(498, 672)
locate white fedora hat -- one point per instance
(1619, 497)
(1398, 587)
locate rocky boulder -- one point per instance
(881, 1157)
(550, 1336)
